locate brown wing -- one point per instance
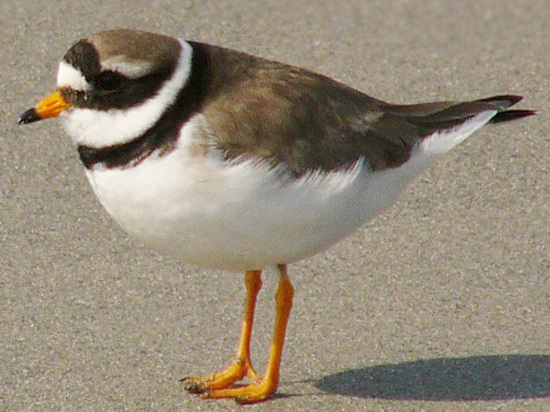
(308, 122)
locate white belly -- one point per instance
(243, 215)
(240, 216)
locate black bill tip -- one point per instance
(29, 116)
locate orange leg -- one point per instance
(241, 366)
(259, 391)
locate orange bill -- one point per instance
(51, 106)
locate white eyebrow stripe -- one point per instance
(133, 69)
(100, 128)
(69, 76)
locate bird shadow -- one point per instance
(495, 377)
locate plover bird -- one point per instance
(226, 160)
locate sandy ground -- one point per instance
(441, 304)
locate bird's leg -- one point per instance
(259, 391)
(242, 365)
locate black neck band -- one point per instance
(163, 134)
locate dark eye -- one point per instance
(109, 82)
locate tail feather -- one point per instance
(508, 115)
(504, 102)
(447, 128)
(444, 115)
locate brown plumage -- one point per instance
(133, 98)
(320, 124)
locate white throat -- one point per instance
(97, 128)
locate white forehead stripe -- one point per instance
(99, 128)
(69, 76)
(134, 69)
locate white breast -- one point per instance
(242, 215)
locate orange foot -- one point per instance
(240, 368)
(251, 393)
(221, 384)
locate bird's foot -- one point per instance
(251, 393)
(208, 384)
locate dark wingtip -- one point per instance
(29, 116)
(509, 115)
(503, 102)
(506, 100)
